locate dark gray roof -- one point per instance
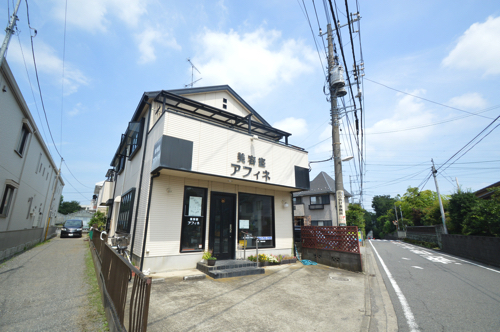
(322, 184)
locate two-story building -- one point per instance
(27, 173)
(317, 206)
(196, 170)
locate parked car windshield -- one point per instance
(73, 223)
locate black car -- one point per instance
(72, 228)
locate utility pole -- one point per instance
(458, 186)
(402, 221)
(51, 199)
(434, 171)
(9, 32)
(336, 81)
(396, 212)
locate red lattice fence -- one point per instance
(336, 238)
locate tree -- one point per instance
(370, 222)
(483, 218)
(68, 207)
(460, 205)
(99, 219)
(355, 216)
(415, 204)
(382, 203)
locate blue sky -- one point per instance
(445, 51)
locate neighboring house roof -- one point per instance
(322, 184)
(484, 193)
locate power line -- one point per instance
(31, 87)
(428, 100)
(38, 81)
(436, 123)
(314, 38)
(66, 180)
(63, 63)
(470, 142)
(75, 176)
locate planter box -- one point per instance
(289, 261)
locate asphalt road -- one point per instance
(432, 291)
(43, 289)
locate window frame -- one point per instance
(7, 198)
(125, 212)
(134, 148)
(23, 140)
(185, 216)
(273, 220)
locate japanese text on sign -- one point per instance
(247, 170)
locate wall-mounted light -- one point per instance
(254, 137)
(285, 204)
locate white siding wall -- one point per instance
(216, 148)
(35, 185)
(215, 99)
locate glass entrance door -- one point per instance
(222, 225)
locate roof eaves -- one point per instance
(221, 88)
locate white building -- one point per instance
(196, 169)
(27, 173)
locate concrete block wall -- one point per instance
(343, 260)
(483, 249)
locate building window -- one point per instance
(125, 213)
(297, 200)
(120, 164)
(23, 139)
(256, 217)
(193, 219)
(323, 199)
(321, 222)
(8, 194)
(135, 133)
(224, 100)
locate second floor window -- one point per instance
(322, 199)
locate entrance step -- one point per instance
(230, 269)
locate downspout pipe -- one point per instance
(147, 219)
(144, 146)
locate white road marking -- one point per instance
(418, 267)
(406, 258)
(410, 319)
(463, 260)
(486, 268)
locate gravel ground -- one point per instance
(43, 289)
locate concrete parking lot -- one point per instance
(287, 298)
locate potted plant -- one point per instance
(207, 256)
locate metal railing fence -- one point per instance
(116, 272)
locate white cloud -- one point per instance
(478, 48)
(151, 38)
(466, 101)
(254, 63)
(76, 110)
(408, 113)
(49, 64)
(296, 127)
(94, 15)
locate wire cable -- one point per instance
(38, 81)
(64, 161)
(63, 63)
(428, 100)
(314, 38)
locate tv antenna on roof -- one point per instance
(192, 74)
